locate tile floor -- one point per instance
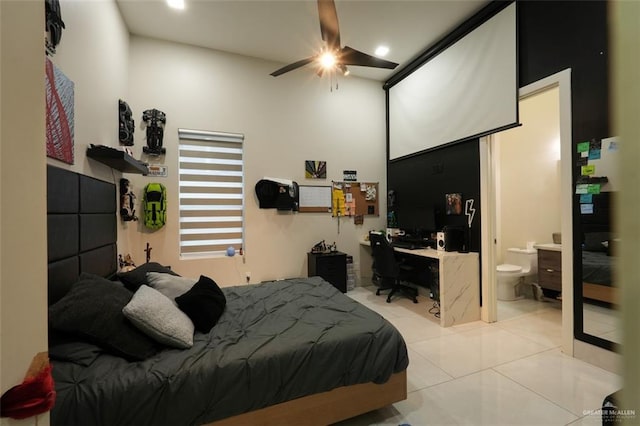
(511, 372)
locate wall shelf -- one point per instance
(117, 159)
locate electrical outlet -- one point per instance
(248, 276)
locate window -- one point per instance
(211, 192)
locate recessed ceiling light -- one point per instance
(382, 51)
(176, 4)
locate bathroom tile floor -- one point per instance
(511, 372)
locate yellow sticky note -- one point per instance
(588, 170)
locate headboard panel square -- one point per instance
(81, 228)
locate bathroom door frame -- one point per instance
(488, 172)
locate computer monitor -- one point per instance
(416, 220)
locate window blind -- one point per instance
(211, 190)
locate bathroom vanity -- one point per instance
(550, 266)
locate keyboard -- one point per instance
(411, 245)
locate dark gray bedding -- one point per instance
(275, 342)
(597, 267)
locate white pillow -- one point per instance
(155, 315)
(171, 286)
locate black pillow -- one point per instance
(70, 349)
(137, 277)
(92, 310)
(204, 304)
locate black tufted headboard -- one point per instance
(81, 228)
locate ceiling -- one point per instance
(287, 31)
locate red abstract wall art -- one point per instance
(59, 102)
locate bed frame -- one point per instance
(602, 293)
(82, 233)
(327, 407)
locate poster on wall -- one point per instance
(59, 98)
(454, 203)
(315, 169)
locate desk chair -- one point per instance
(388, 270)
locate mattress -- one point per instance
(275, 342)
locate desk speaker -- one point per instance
(450, 239)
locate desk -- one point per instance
(459, 283)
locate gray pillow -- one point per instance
(170, 285)
(156, 316)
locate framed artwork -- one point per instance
(315, 169)
(59, 98)
(453, 203)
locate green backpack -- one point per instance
(155, 205)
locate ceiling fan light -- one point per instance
(328, 60)
(176, 4)
(382, 51)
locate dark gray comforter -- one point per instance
(597, 268)
(275, 342)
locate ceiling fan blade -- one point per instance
(293, 66)
(329, 23)
(350, 56)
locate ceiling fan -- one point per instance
(334, 57)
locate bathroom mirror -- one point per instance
(597, 317)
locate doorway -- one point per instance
(527, 188)
(497, 219)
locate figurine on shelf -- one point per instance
(319, 248)
(332, 248)
(126, 264)
(155, 121)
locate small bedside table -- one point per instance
(331, 266)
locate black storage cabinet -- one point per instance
(330, 266)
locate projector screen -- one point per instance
(469, 89)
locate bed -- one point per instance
(285, 352)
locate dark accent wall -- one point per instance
(431, 175)
(555, 35)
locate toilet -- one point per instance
(520, 265)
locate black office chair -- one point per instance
(388, 271)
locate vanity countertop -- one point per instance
(548, 246)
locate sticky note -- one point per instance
(586, 198)
(588, 170)
(594, 154)
(582, 188)
(586, 208)
(583, 147)
(584, 154)
(593, 188)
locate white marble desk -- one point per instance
(459, 283)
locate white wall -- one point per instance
(528, 193)
(285, 120)
(23, 267)
(94, 54)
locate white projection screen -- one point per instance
(470, 89)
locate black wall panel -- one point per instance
(431, 175)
